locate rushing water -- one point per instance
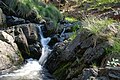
(33, 69)
(45, 48)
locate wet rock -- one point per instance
(35, 50)
(2, 18)
(54, 39)
(68, 35)
(26, 36)
(9, 52)
(12, 20)
(21, 41)
(30, 32)
(55, 57)
(114, 72)
(87, 73)
(59, 38)
(50, 28)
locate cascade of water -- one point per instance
(61, 35)
(45, 48)
(34, 69)
(62, 32)
(44, 41)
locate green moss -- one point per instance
(16, 62)
(72, 37)
(19, 62)
(115, 48)
(71, 19)
(19, 54)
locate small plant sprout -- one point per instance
(113, 63)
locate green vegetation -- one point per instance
(115, 48)
(75, 29)
(72, 37)
(96, 25)
(25, 8)
(19, 62)
(71, 19)
(97, 3)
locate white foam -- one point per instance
(31, 66)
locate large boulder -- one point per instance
(2, 18)
(30, 32)
(35, 50)
(21, 41)
(27, 39)
(9, 52)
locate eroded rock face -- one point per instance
(9, 52)
(67, 60)
(30, 32)
(27, 40)
(2, 18)
(22, 43)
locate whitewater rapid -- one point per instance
(33, 69)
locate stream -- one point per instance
(33, 69)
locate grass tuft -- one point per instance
(96, 25)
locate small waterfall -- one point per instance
(62, 32)
(45, 48)
(33, 69)
(61, 35)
